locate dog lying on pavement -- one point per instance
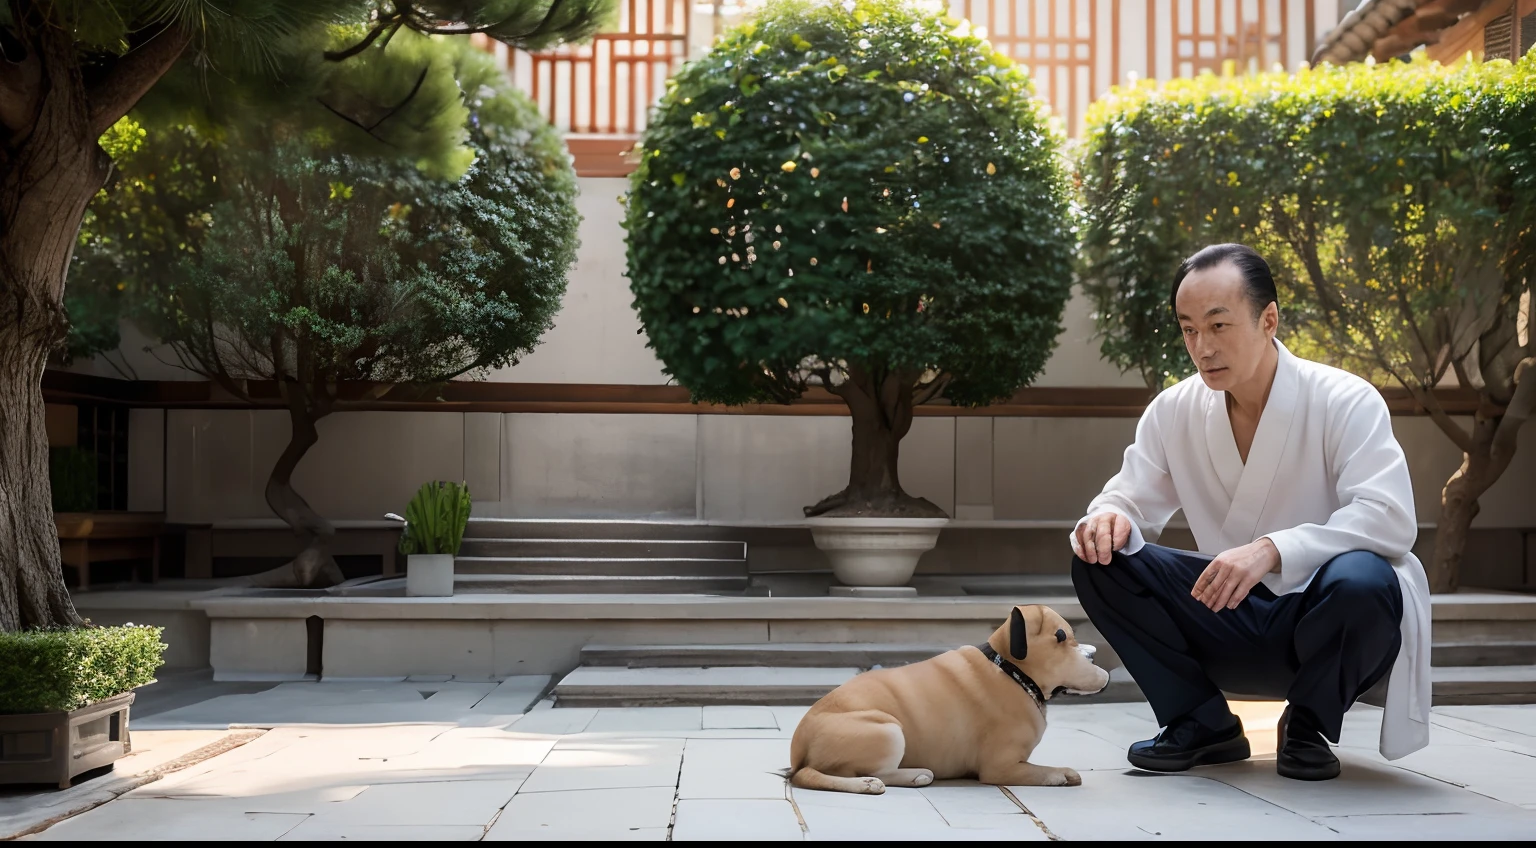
(974, 712)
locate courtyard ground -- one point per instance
(442, 759)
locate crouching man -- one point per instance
(1299, 499)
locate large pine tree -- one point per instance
(71, 69)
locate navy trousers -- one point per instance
(1320, 648)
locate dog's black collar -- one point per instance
(1025, 681)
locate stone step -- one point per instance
(469, 584)
(1486, 631)
(604, 567)
(604, 548)
(609, 686)
(1483, 653)
(1463, 685)
(868, 655)
(614, 686)
(604, 529)
(771, 654)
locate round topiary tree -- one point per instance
(863, 197)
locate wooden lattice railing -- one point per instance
(600, 92)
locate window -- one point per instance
(1497, 37)
(103, 430)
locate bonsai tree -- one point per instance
(312, 269)
(71, 71)
(1395, 205)
(863, 198)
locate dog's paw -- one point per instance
(871, 786)
(1070, 778)
(923, 779)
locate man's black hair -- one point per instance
(1258, 282)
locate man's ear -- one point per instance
(1018, 634)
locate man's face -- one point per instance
(1226, 341)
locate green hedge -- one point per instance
(60, 670)
(1381, 195)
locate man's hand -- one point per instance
(1101, 535)
(1230, 576)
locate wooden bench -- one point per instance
(89, 537)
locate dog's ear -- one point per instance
(1018, 634)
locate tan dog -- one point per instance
(958, 715)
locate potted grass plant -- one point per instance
(434, 527)
(65, 695)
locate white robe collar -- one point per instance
(1249, 483)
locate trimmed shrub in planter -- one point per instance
(861, 197)
(64, 698)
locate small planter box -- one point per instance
(55, 747)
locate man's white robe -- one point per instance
(1324, 476)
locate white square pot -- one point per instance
(429, 575)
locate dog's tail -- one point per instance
(809, 778)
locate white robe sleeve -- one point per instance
(1373, 485)
(1143, 491)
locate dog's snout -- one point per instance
(1088, 650)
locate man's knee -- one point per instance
(1362, 580)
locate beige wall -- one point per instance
(725, 468)
(715, 467)
(597, 337)
(366, 464)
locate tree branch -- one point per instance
(1455, 432)
(133, 75)
(933, 390)
(20, 82)
(373, 34)
(1516, 413)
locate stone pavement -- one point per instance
(456, 760)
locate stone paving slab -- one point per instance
(602, 814)
(733, 769)
(697, 774)
(1135, 805)
(160, 819)
(350, 702)
(736, 820)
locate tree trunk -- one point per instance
(314, 567)
(50, 168)
(1459, 504)
(46, 180)
(32, 592)
(881, 407)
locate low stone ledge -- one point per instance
(622, 607)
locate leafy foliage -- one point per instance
(529, 24)
(865, 185)
(435, 519)
(259, 252)
(44, 671)
(1387, 199)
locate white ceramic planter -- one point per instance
(875, 551)
(429, 575)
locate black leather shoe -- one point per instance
(1186, 743)
(1302, 751)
